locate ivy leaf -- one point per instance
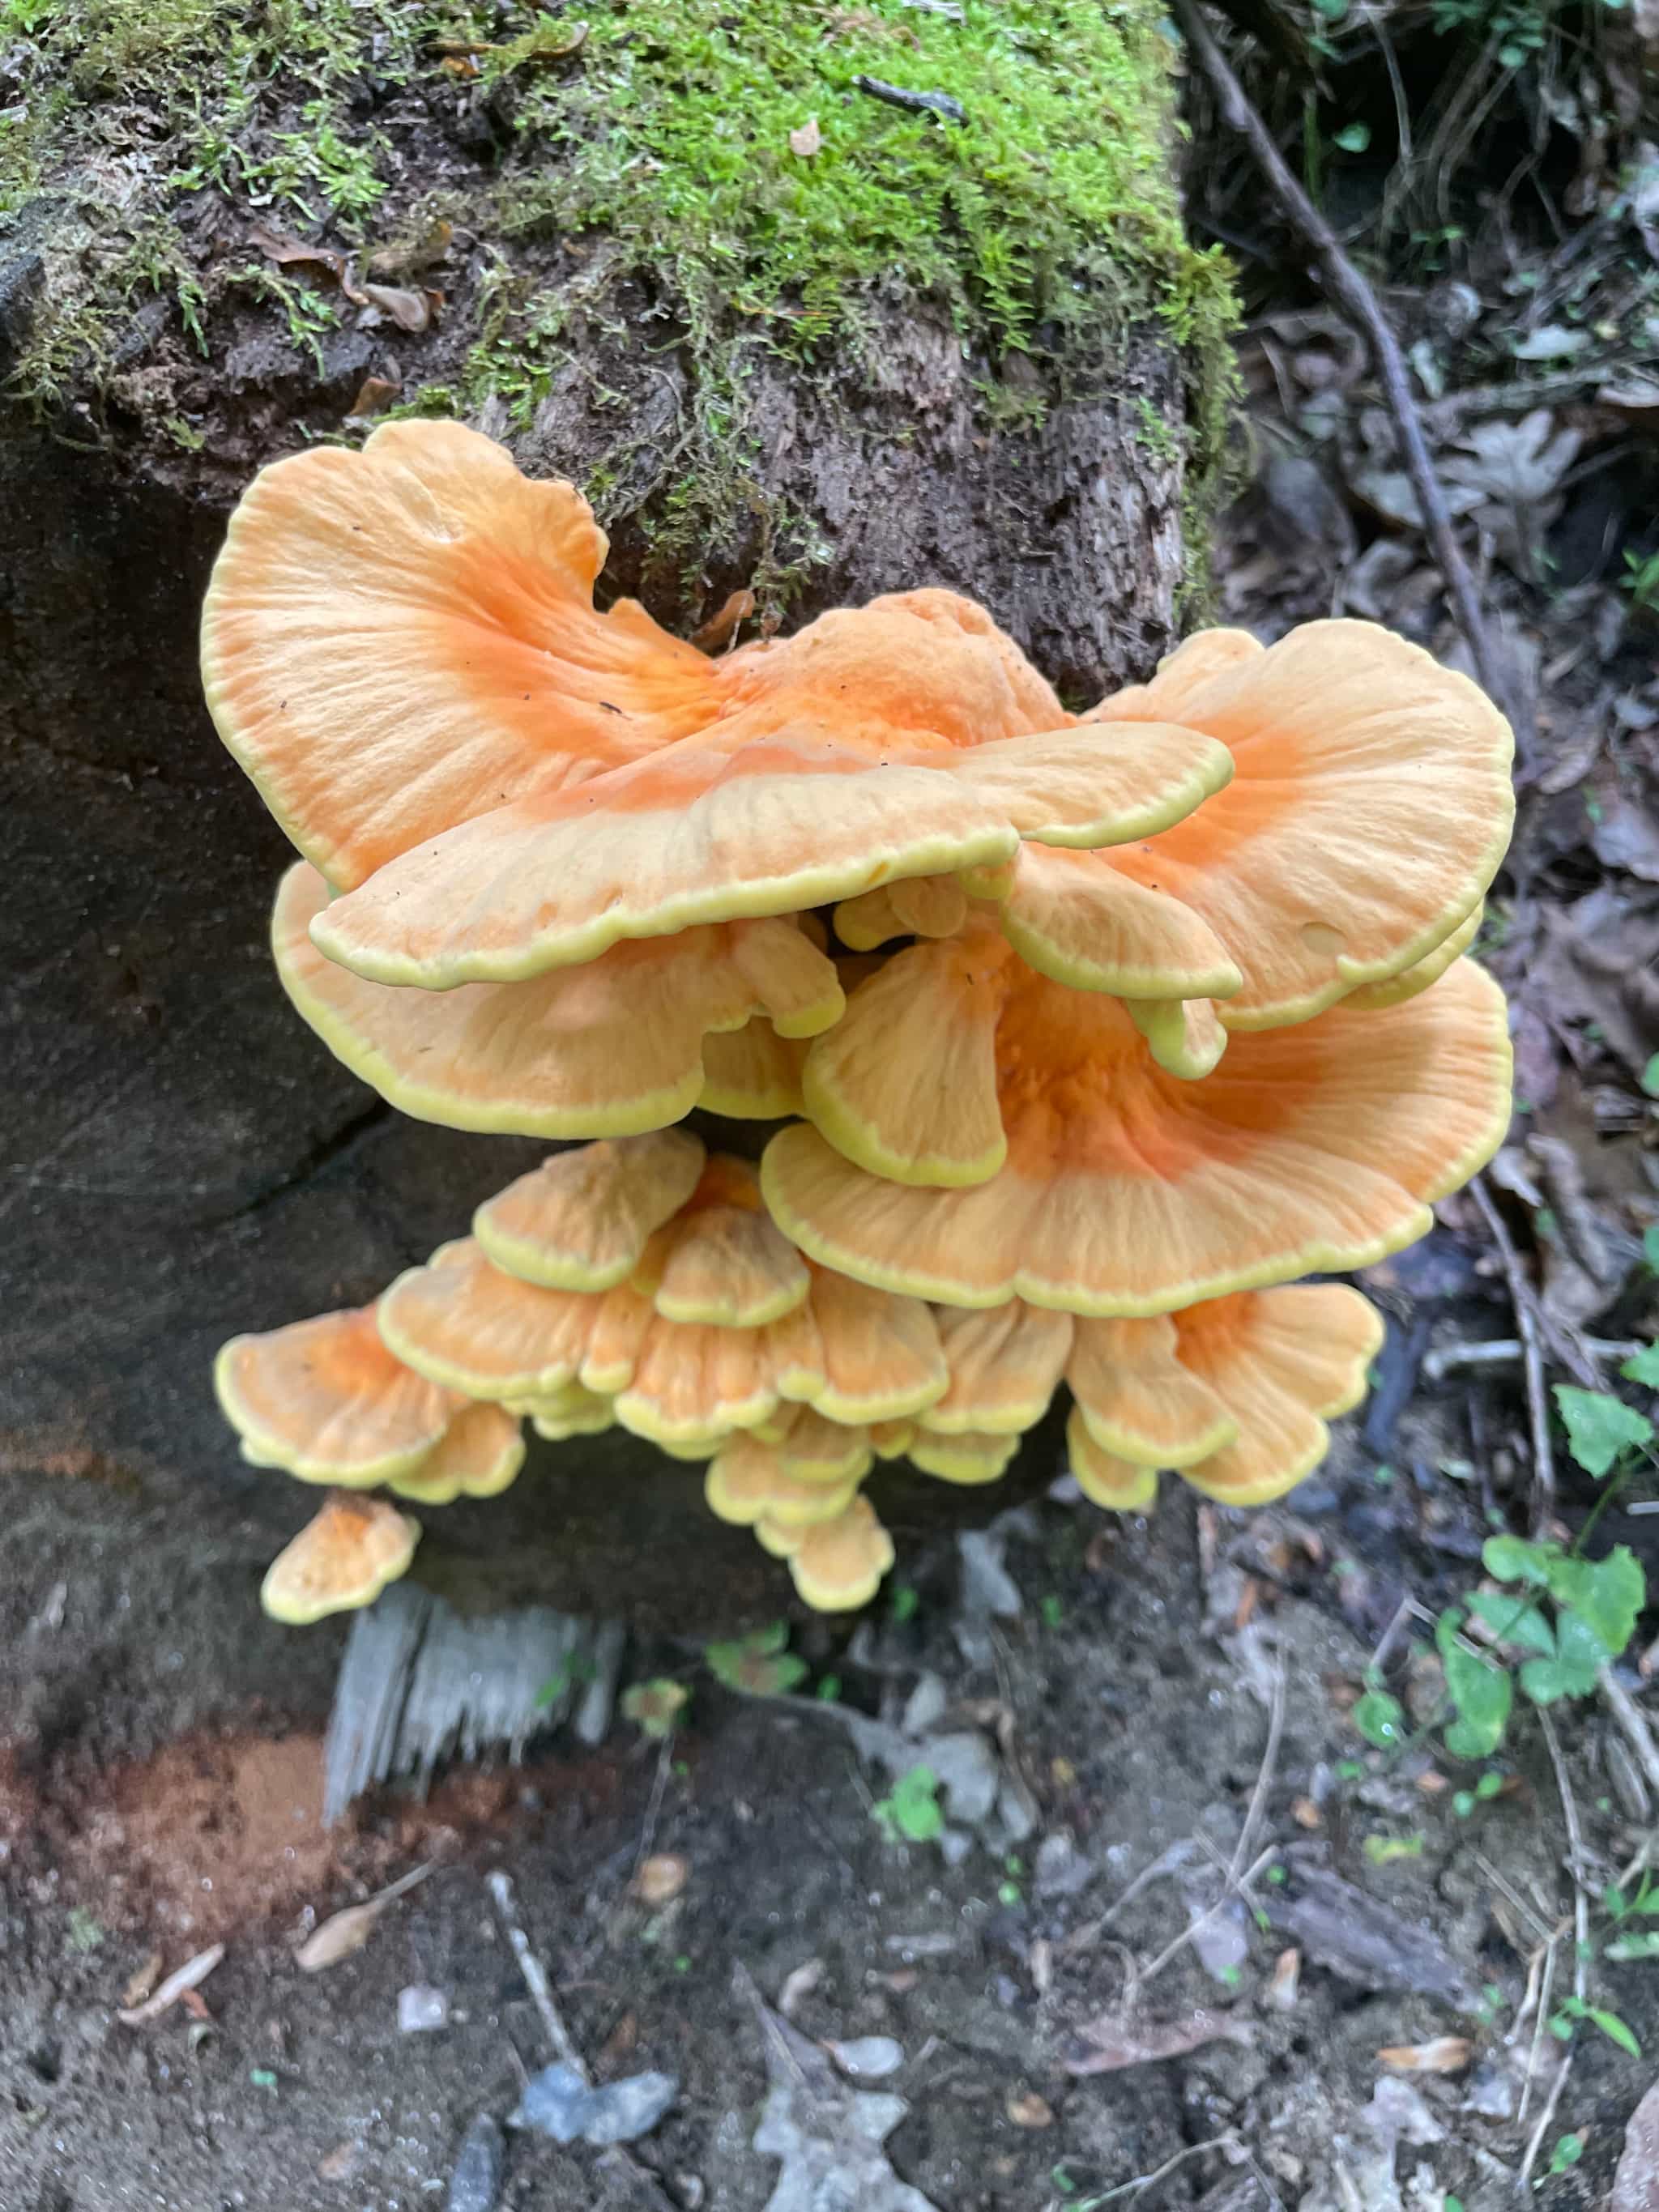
(1380, 1719)
(1483, 1694)
(1512, 1623)
(1579, 1653)
(1512, 1560)
(1642, 1367)
(757, 1665)
(1608, 1593)
(1600, 1427)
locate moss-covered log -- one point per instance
(794, 332)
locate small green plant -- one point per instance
(86, 1931)
(910, 1812)
(1571, 2010)
(759, 1665)
(1640, 580)
(655, 1707)
(1569, 2149)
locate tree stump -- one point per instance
(973, 352)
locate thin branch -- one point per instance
(1253, 1818)
(1632, 1724)
(1357, 300)
(1532, 1353)
(500, 1886)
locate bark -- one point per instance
(183, 1159)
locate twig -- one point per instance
(1247, 1834)
(1240, 1883)
(1631, 1724)
(1508, 1351)
(1357, 300)
(1580, 1929)
(500, 1886)
(1228, 2141)
(1532, 1350)
(925, 103)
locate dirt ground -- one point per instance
(1131, 1699)
(1163, 1968)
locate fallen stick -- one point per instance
(1356, 298)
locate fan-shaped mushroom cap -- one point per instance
(582, 1219)
(721, 1259)
(1184, 1036)
(1004, 1363)
(814, 1450)
(882, 1358)
(574, 1411)
(464, 1322)
(1196, 661)
(342, 1559)
(1127, 1191)
(704, 833)
(326, 1400)
(752, 1074)
(1118, 1485)
(1370, 807)
(747, 1480)
(890, 1439)
(611, 1047)
(919, 906)
(1137, 1400)
(1098, 929)
(692, 1383)
(1284, 1362)
(399, 639)
(479, 1456)
(838, 1564)
(1371, 998)
(970, 1455)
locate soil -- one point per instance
(1131, 1697)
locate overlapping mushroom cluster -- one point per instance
(1097, 1030)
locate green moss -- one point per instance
(1045, 223)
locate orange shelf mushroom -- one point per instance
(1129, 1018)
(325, 1399)
(610, 1049)
(1089, 1179)
(1232, 1394)
(342, 1559)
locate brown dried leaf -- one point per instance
(282, 247)
(410, 311)
(661, 1878)
(1446, 2054)
(143, 1981)
(1031, 2111)
(1286, 1984)
(1111, 2042)
(718, 630)
(342, 1932)
(373, 393)
(186, 1977)
(808, 140)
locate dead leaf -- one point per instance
(1031, 2111)
(195, 2005)
(281, 247)
(828, 2135)
(1111, 2042)
(342, 1932)
(143, 1981)
(1599, 963)
(185, 1978)
(341, 2162)
(1446, 2054)
(808, 140)
(1362, 1939)
(661, 1878)
(410, 311)
(1636, 2182)
(373, 393)
(1286, 1984)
